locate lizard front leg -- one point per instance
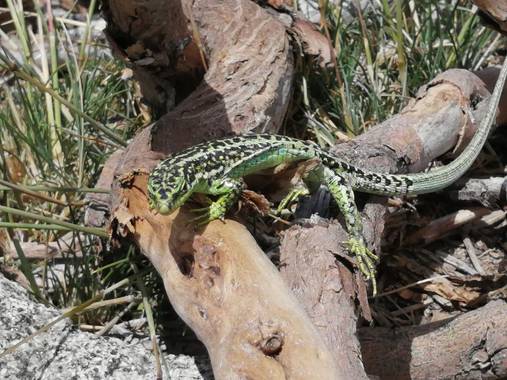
(342, 193)
(228, 191)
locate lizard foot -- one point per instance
(365, 260)
(293, 196)
(205, 215)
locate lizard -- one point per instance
(217, 167)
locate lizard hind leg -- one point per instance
(311, 181)
(293, 196)
(342, 193)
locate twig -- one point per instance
(409, 286)
(472, 253)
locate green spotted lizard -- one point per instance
(217, 168)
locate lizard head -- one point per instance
(167, 192)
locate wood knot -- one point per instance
(272, 345)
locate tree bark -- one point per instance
(470, 346)
(426, 128)
(247, 80)
(215, 70)
(217, 279)
(494, 12)
(487, 191)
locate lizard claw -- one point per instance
(365, 260)
(207, 214)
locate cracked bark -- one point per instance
(428, 352)
(211, 70)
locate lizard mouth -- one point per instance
(163, 209)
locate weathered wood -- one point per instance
(326, 289)
(495, 12)
(429, 126)
(217, 278)
(472, 345)
(489, 192)
(246, 86)
(245, 53)
(228, 292)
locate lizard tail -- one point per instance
(439, 178)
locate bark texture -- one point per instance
(207, 69)
(470, 346)
(494, 12)
(247, 79)
(226, 289)
(489, 192)
(232, 62)
(218, 280)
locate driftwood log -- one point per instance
(211, 69)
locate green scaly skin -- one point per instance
(217, 168)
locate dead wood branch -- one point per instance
(438, 228)
(228, 292)
(246, 86)
(470, 346)
(326, 289)
(247, 82)
(487, 191)
(218, 279)
(426, 128)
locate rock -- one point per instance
(65, 352)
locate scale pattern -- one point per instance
(195, 168)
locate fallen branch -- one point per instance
(217, 278)
(438, 228)
(432, 351)
(487, 191)
(426, 128)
